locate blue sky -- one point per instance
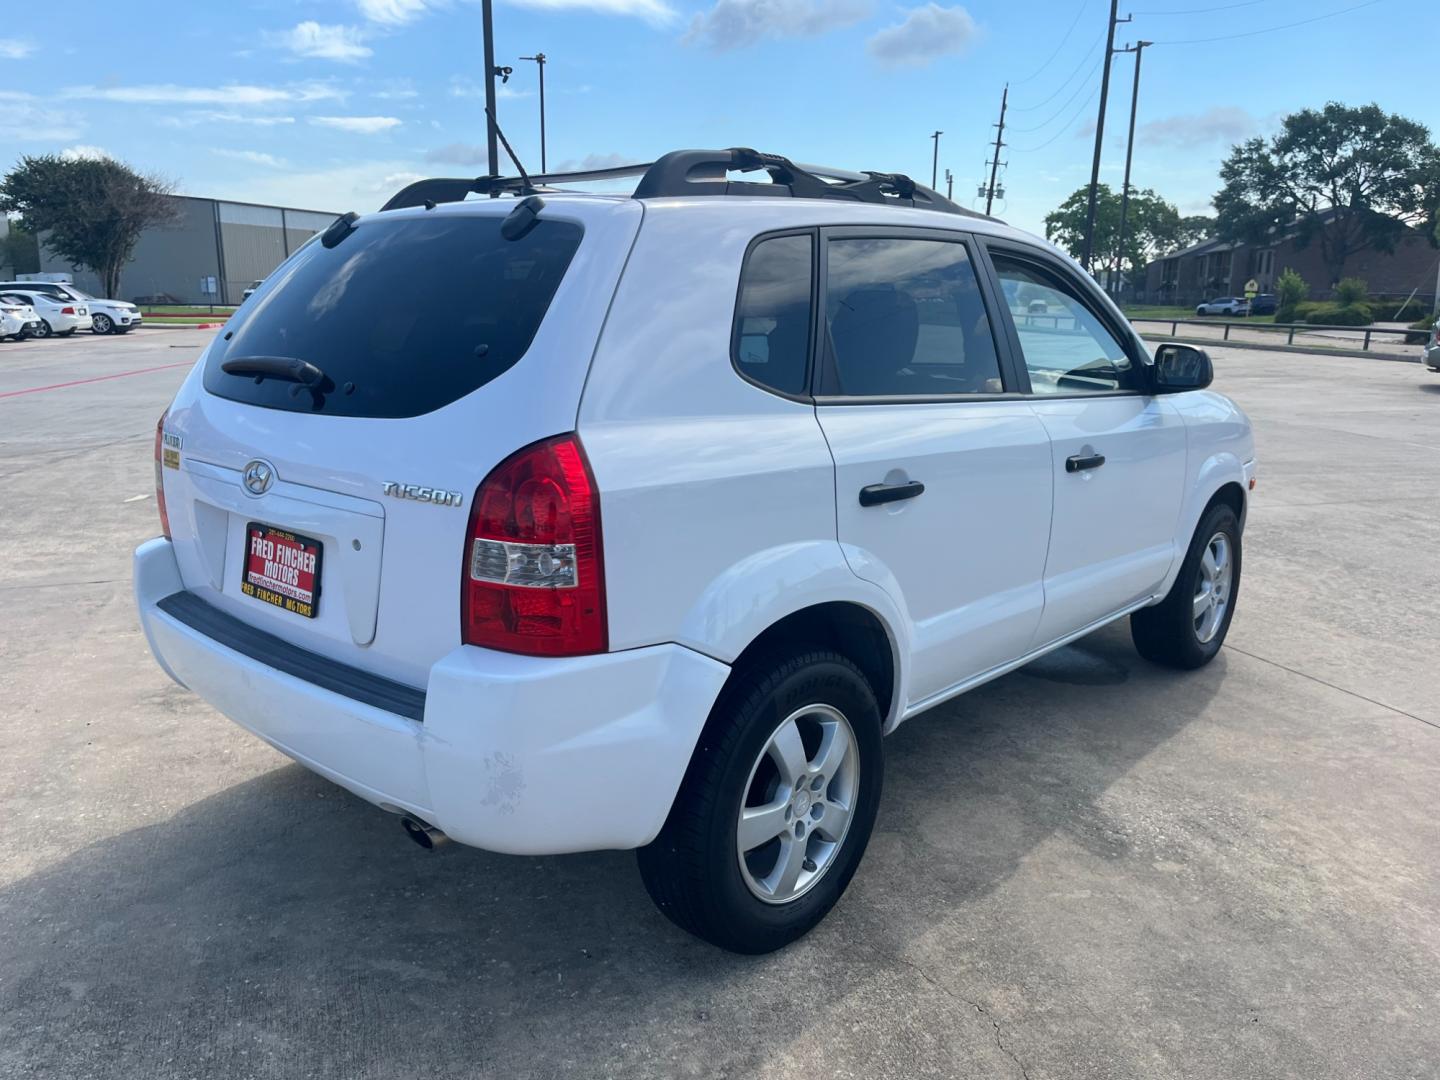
(332, 104)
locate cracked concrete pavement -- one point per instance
(1089, 868)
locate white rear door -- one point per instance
(943, 480)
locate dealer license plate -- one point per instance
(282, 568)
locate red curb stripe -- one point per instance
(97, 378)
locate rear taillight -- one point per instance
(67, 311)
(533, 580)
(160, 475)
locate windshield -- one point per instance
(401, 317)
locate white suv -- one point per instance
(645, 529)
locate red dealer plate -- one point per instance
(282, 568)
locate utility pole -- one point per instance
(487, 23)
(949, 185)
(935, 160)
(1089, 246)
(999, 142)
(539, 59)
(1139, 51)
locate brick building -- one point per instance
(1221, 268)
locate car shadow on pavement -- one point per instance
(285, 928)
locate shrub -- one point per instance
(1340, 315)
(1296, 313)
(1290, 289)
(1351, 291)
(1398, 311)
(1420, 330)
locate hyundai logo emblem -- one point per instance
(259, 475)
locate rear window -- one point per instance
(401, 317)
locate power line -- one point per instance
(1094, 45)
(1080, 10)
(1271, 29)
(1203, 10)
(1065, 128)
(1068, 101)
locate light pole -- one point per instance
(539, 59)
(935, 161)
(949, 184)
(1139, 51)
(1089, 245)
(487, 22)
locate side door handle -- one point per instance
(876, 494)
(1077, 462)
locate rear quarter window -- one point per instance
(403, 316)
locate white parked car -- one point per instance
(58, 317)
(107, 316)
(1224, 305)
(18, 318)
(644, 530)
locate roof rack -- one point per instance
(701, 172)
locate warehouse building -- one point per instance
(210, 254)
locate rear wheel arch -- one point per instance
(850, 629)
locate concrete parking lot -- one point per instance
(1089, 868)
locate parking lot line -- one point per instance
(96, 378)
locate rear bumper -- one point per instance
(514, 754)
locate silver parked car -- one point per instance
(1431, 356)
(1224, 305)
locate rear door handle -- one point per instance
(1077, 462)
(875, 494)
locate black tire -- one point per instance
(1166, 633)
(44, 330)
(692, 869)
(102, 324)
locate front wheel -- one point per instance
(102, 324)
(1187, 628)
(776, 808)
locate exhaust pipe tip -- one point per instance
(423, 833)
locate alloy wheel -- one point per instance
(798, 803)
(1212, 590)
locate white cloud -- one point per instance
(359, 185)
(463, 87)
(395, 90)
(926, 34)
(15, 48)
(357, 125)
(24, 118)
(254, 157)
(86, 153)
(394, 12)
(732, 24)
(234, 95)
(656, 12)
(196, 117)
(596, 161)
(459, 153)
(319, 42)
(1221, 123)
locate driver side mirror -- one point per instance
(1182, 367)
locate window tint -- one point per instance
(906, 318)
(772, 320)
(403, 316)
(1067, 348)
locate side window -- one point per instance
(772, 320)
(906, 318)
(1067, 348)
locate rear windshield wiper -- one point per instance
(276, 367)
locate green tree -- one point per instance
(1347, 179)
(1193, 229)
(1152, 226)
(89, 212)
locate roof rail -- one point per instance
(703, 172)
